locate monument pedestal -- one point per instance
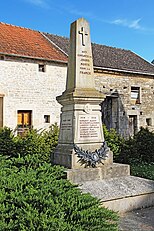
(80, 125)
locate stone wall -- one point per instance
(25, 88)
(117, 88)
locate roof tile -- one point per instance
(25, 42)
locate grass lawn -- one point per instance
(143, 170)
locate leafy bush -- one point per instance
(138, 149)
(36, 196)
(7, 142)
(144, 140)
(51, 136)
(33, 148)
(40, 199)
(114, 141)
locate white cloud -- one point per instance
(134, 24)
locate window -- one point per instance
(148, 121)
(42, 67)
(24, 121)
(135, 95)
(47, 118)
(2, 57)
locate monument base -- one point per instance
(64, 155)
(122, 194)
(80, 176)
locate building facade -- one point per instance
(33, 69)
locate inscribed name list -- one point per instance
(89, 128)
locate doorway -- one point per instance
(132, 125)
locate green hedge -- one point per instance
(34, 195)
(41, 199)
(137, 149)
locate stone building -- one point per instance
(33, 67)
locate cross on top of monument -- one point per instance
(83, 33)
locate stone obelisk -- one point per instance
(81, 123)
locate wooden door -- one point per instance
(24, 121)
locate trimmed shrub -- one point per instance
(40, 199)
(36, 196)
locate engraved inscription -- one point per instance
(89, 127)
(66, 129)
(66, 125)
(85, 63)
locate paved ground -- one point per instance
(139, 220)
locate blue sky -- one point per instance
(127, 24)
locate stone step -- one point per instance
(122, 194)
(93, 174)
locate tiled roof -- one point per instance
(20, 41)
(61, 42)
(109, 57)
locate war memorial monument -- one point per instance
(81, 147)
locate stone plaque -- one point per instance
(89, 127)
(66, 128)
